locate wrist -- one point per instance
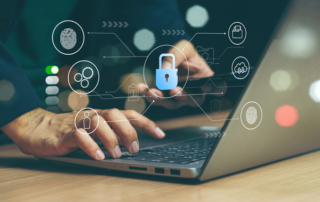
(25, 123)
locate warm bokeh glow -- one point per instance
(76, 101)
(63, 75)
(287, 116)
(129, 79)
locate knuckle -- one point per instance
(130, 133)
(132, 112)
(112, 111)
(95, 119)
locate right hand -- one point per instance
(43, 133)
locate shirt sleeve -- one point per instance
(17, 95)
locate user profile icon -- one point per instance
(251, 115)
(240, 67)
(83, 120)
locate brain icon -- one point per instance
(251, 115)
(240, 68)
(68, 38)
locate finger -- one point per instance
(82, 139)
(106, 135)
(143, 123)
(121, 125)
(197, 69)
(178, 54)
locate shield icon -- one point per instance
(215, 106)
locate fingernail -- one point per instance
(179, 91)
(160, 132)
(100, 155)
(134, 147)
(166, 65)
(142, 88)
(117, 151)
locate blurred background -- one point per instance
(48, 69)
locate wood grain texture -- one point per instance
(24, 178)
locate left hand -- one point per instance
(198, 68)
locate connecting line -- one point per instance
(210, 79)
(124, 97)
(122, 83)
(125, 56)
(200, 33)
(209, 116)
(136, 118)
(221, 93)
(116, 36)
(225, 51)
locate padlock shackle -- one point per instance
(237, 27)
(166, 55)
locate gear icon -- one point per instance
(91, 75)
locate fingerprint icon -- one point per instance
(251, 115)
(68, 38)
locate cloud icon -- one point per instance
(240, 68)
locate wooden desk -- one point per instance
(24, 178)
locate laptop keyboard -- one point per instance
(178, 153)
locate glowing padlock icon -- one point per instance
(166, 79)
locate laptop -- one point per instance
(275, 118)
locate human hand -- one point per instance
(198, 68)
(43, 133)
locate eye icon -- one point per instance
(83, 78)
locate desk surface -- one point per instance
(24, 178)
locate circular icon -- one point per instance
(251, 115)
(88, 71)
(240, 67)
(68, 37)
(86, 121)
(155, 59)
(237, 33)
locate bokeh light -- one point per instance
(63, 101)
(287, 116)
(314, 91)
(6, 90)
(63, 75)
(109, 51)
(138, 105)
(144, 39)
(76, 101)
(197, 16)
(280, 80)
(129, 79)
(299, 42)
(148, 73)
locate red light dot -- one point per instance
(287, 115)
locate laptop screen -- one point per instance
(277, 116)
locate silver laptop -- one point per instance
(277, 116)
